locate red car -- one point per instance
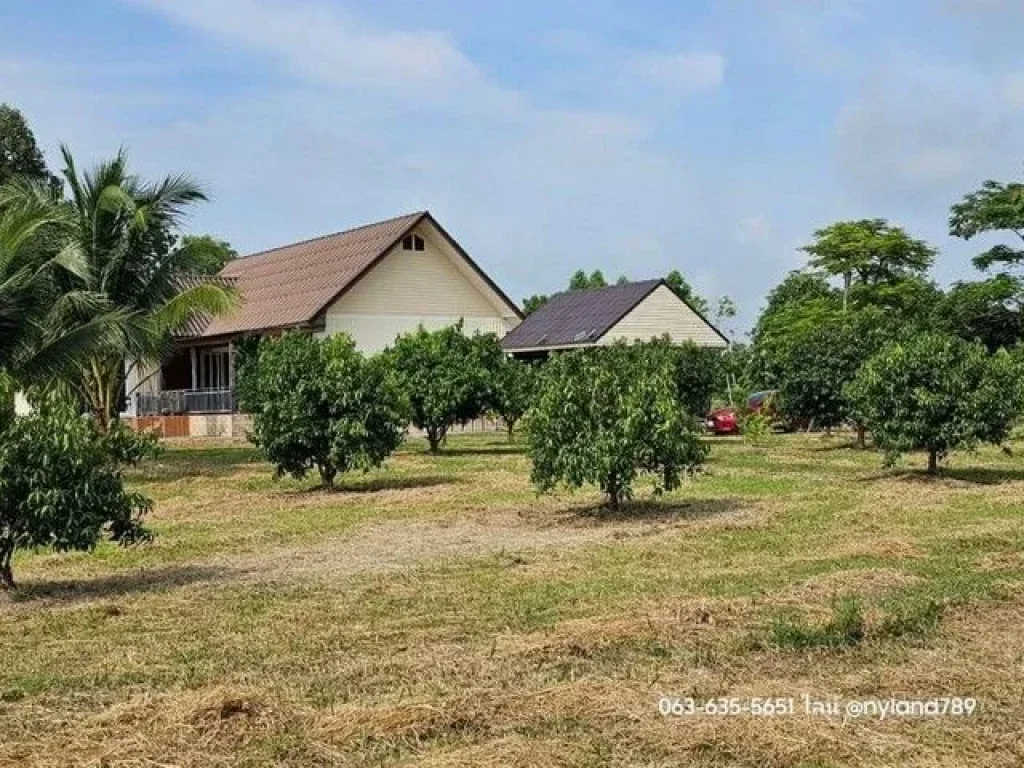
(723, 421)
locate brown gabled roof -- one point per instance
(292, 285)
(289, 286)
(580, 318)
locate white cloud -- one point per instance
(323, 43)
(921, 134)
(679, 71)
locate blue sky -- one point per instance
(712, 137)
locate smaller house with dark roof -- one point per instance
(599, 317)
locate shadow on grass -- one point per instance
(114, 585)
(357, 484)
(843, 445)
(180, 463)
(970, 475)
(483, 450)
(654, 511)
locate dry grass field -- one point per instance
(439, 613)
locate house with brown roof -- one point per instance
(628, 311)
(373, 282)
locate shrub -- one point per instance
(937, 393)
(605, 415)
(755, 425)
(61, 484)
(322, 405)
(446, 376)
(698, 371)
(515, 385)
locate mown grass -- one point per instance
(438, 612)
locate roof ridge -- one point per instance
(256, 254)
(629, 284)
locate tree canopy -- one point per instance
(61, 482)
(125, 229)
(604, 416)
(995, 207)
(205, 254)
(320, 404)
(868, 251)
(20, 156)
(937, 393)
(445, 375)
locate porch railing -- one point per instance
(177, 401)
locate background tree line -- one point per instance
(863, 335)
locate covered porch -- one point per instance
(195, 379)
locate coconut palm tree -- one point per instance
(45, 332)
(125, 231)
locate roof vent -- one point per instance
(581, 336)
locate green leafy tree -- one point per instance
(19, 154)
(515, 385)
(61, 482)
(697, 373)
(820, 364)
(322, 405)
(986, 311)
(685, 291)
(868, 251)
(442, 375)
(581, 281)
(604, 416)
(486, 359)
(996, 207)
(124, 229)
(532, 303)
(204, 254)
(725, 309)
(937, 394)
(797, 288)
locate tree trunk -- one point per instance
(327, 475)
(861, 436)
(510, 426)
(933, 462)
(614, 494)
(6, 574)
(434, 437)
(847, 279)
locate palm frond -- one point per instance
(208, 298)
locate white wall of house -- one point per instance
(660, 313)
(433, 287)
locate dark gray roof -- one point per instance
(577, 317)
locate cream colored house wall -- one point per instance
(660, 313)
(433, 287)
